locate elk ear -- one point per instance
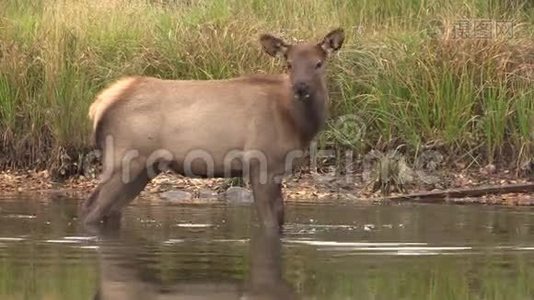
(273, 45)
(333, 41)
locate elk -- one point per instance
(254, 126)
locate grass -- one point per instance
(402, 74)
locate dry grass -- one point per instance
(405, 81)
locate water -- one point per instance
(328, 251)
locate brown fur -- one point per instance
(153, 123)
(117, 91)
(108, 96)
(262, 79)
(304, 123)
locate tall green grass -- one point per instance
(405, 82)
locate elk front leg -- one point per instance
(279, 205)
(267, 199)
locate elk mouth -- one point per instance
(304, 97)
(301, 91)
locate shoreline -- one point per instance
(169, 188)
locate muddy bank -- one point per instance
(309, 187)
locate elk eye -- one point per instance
(319, 64)
(289, 65)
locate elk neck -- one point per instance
(309, 115)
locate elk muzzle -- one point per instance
(301, 91)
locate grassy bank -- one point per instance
(405, 76)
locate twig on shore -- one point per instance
(444, 195)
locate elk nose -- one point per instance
(301, 90)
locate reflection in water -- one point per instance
(265, 273)
(123, 275)
(330, 251)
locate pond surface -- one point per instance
(328, 251)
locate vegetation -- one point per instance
(408, 74)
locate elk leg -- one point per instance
(113, 194)
(108, 192)
(86, 205)
(131, 190)
(265, 196)
(279, 204)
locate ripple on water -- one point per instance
(382, 248)
(352, 244)
(173, 241)
(11, 239)
(89, 247)
(80, 238)
(193, 225)
(179, 241)
(72, 240)
(303, 229)
(17, 216)
(62, 241)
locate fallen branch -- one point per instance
(443, 196)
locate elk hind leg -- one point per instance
(112, 194)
